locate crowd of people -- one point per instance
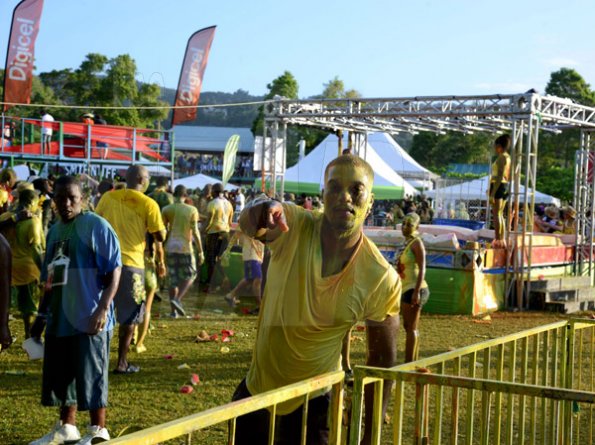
(90, 255)
(212, 164)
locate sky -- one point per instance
(381, 48)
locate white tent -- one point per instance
(200, 180)
(396, 156)
(477, 190)
(310, 170)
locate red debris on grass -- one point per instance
(194, 379)
(168, 356)
(186, 389)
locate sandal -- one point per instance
(130, 369)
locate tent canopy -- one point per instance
(307, 176)
(396, 156)
(200, 180)
(477, 190)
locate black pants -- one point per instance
(216, 245)
(253, 428)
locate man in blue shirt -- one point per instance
(81, 272)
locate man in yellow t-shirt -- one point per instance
(219, 217)
(181, 221)
(28, 244)
(132, 214)
(325, 275)
(8, 179)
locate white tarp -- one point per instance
(200, 180)
(477, 190)
(396, 156)
(311, 168)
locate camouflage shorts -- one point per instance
(130, 297)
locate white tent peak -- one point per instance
(311, 168)
(396, 156)
(200, 180)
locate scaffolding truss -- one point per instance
(522, 115)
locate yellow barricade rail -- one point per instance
(307, 389)
(532, 387)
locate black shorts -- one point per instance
(253, 428)
(501, 192)
(424, 296)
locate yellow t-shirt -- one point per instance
(180, 219)
(3, 197)
(304, 316)
(408, 269)
(132, 215)
(220, 212)
(27, 235)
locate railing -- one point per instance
(536, 386)
(307, 389)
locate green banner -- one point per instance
(229, 158)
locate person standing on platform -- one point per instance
(46, 132)
(81, 272)
(181, 221)
(219, 218)
(132, 215)
(325, 275)
(499, 187)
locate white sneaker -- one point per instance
(61, 434)
(95, 434)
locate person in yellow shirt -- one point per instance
(324, 276)
(27, 242)
(132, 214)
(8, 178)
(219, 218)
(411, 266)
(5, 277)
(181, 221)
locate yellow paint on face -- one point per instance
(347, 198)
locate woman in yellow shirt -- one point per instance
(499, 186)
(411, 266)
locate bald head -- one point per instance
(137, 178)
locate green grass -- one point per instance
(152, 396)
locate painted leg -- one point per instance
(411, 315)
(144, 326)
(125, 337)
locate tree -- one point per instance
(335, 89)
(566, 82)
(285, 86)
(559, 149)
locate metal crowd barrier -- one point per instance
(307, 389)
(532, 387)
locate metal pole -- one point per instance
(263, 154)
(274, 138)
(284, 159)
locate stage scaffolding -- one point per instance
(520, 115)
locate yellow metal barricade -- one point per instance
(306, 389)
(532, 387)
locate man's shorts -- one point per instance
(252, 270)
(75, 371)
(27, 298)
(180, 267)
(130, 297)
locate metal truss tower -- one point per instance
(521, 115)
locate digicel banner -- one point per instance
(193, 69)
(18, 76)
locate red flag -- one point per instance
(20, 55)
(193, 69)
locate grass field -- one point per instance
(152, 396)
